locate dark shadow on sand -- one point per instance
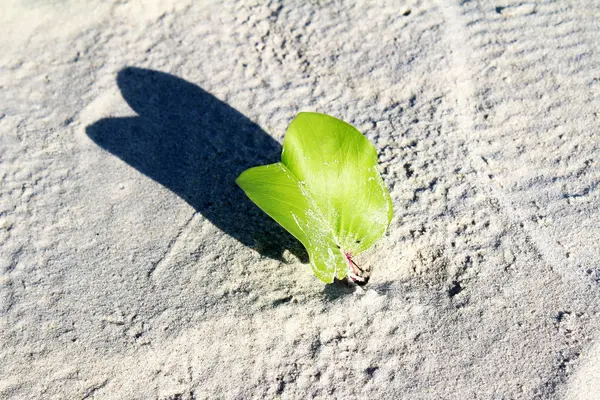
(338, 288)
(196, 145)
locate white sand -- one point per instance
(131, 267)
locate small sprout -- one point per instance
(327, 192)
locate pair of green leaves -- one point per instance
(326, 191)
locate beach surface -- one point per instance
(133, 267)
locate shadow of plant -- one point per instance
(195, 145)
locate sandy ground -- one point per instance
(132, 267)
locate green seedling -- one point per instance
(327, 192)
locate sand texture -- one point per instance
(133, 267)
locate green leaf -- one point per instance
(326, 191)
